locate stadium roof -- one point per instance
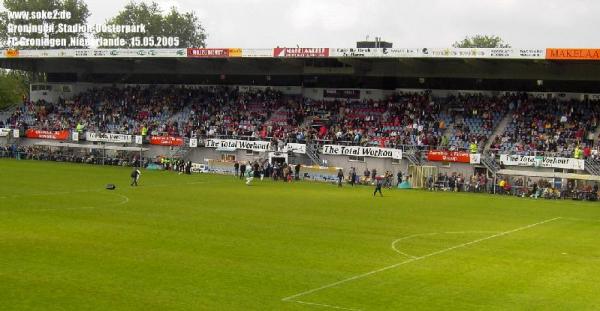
(573, 68)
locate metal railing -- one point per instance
(592, 166)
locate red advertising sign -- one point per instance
(208, 53)
(56, 135)
(301, 52)
(449, 156)
(166, 141)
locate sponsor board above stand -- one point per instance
(234, 144)
(166, 141)
(295, 148)
(374, 152)
(108, 137)
(453, 156)
(55, 135)
(573, 54)
(257, 53)
(536, 161)
(101, 53)
(299, 52)
(214, 52)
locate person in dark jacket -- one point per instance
(297, 171)
(242, 170)
(378, 184)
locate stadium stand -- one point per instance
(406, 119)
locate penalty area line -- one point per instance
(363, 275)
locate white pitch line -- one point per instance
(581, 219)
(426, 234)
(406, 238)
(60, 209)
(360, 276)
(324, 305)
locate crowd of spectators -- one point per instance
(550, 126)
(406, 119)
(45, 153)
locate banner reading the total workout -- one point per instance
(554, 162)
(453, 156)
(238, 144)
(166, 141)
(56, 135)
(4, 132)
(374, 152)
(108, 137)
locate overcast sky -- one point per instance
(406, 23)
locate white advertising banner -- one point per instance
(374, 152)
(295, 148)
(75, 136)
(237, 144)
(193, 142)
(139, 139)
(475, 158)
(554, 162)
(16, 134)
(355, 52)
(513, 53)
(4, 132)
(401, 52)
(257, 52)
(110, 53)
(108, 137)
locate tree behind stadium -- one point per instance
(481, 41)
(186, 25)
(13, 86)
(78, 9)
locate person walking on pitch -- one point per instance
(340, 177)
(135, 176)
(250, 178)
(378, 185)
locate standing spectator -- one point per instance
(236, 168)
(399, 176)
(587, 152)
(340, 176)
(378, 185)
(352, 176)
(242, 170)
(297, 171)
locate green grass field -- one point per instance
(207, 242)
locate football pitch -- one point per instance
(209, 242)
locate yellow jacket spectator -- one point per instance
(473, 147)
